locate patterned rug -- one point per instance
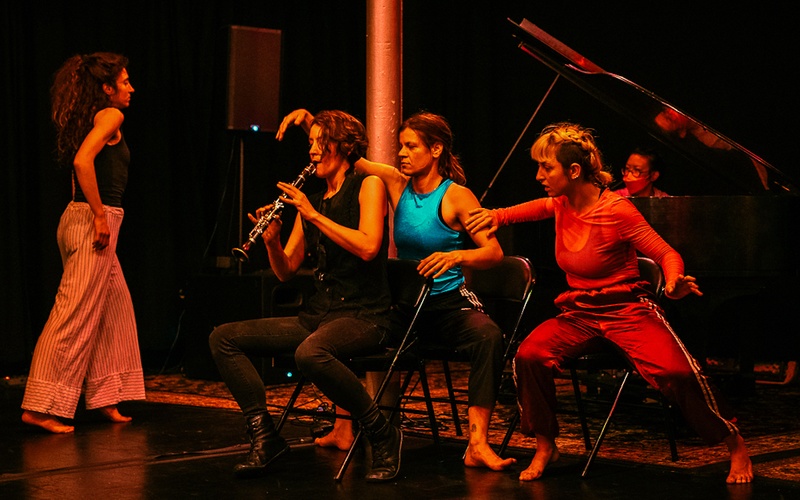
(767, 418)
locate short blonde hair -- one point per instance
(570, 143)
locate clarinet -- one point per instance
(267, 218)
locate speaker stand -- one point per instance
(241, 200)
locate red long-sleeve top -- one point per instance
(598, 249)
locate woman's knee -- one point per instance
(217, 339)
(489, 334)
(675, 379)
(308, 356)
(224, 339)
(531, 353)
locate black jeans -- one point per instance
(318, 355)
(456, 320)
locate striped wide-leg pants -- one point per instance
(90, 340)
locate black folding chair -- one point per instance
(602, 356)
(409, 290)
(505, 291)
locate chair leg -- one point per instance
(348, 458)
(587, 442)
(603, 430)
(426, 391)
(512, 426)
(377, 399)
(671, 433)
(290, 404)
(451, 395)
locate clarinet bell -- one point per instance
(240, 254)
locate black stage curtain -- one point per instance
(460, 60)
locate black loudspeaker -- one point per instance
(254, 74)
(212, 300)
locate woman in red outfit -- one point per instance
(598, 234)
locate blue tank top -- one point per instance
(420, 231)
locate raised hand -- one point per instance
(300, 117)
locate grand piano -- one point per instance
(735, 224)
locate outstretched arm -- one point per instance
(493, 219)
(645, 239)
(394, 181)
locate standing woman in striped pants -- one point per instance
(90, 341)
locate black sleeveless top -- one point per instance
(111, 170)
(345, 284)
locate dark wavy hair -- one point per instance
(343, 131)
(77, 95)
(431, 129)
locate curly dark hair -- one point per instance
(342, 130)
(77, 95)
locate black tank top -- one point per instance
(345, 284)
(111, 170)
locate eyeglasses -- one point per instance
(635, 172)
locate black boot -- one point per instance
(265, 446)
(386, 441)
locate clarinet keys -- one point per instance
(240, 253)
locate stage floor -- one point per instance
(188, 450)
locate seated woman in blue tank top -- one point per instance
(431, 205)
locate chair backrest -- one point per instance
(409, 290)
(506, 291)
(408, 287)
(651, 272)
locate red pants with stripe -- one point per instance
(627, 315)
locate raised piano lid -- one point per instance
(739, 215)
(734, 169)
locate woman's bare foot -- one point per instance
(340, 437)
(741, 466)
(331, 440)
(484, 456)
(546, 453)
(47, 422)
(112, 414)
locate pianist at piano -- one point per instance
(640, 173)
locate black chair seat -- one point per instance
(505, 291)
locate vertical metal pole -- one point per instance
(384, 115)
(241, 200)
(384, 81)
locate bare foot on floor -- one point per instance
(112, 414)
(542, 458)
(741, 466)
(47, 422)
(340, 437)
(484, 456)
(335, 440)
